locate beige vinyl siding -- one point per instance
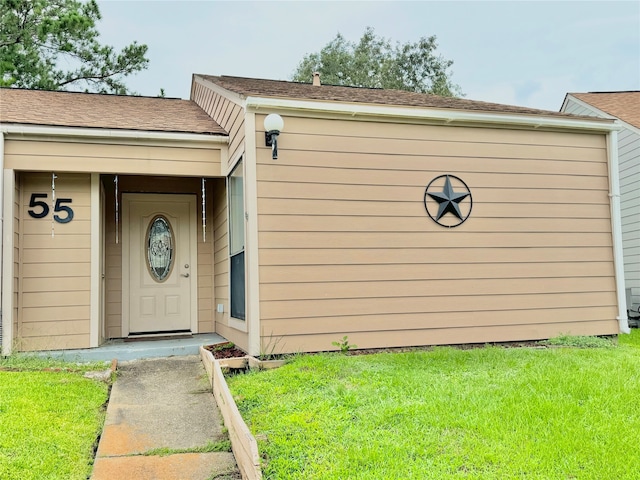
(221, 266)
(229, 115)
(113, 250)
(124, 158)
(54, 279)
(346, 247)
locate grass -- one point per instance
(488, 413)
(50, 418)
(219, 446)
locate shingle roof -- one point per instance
(72, 109)
(294, 90)
(623, 105)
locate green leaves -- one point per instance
(377, 63)
(39, 37)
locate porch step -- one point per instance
(124, 351)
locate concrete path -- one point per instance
(162, 404)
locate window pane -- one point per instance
(237, 286)
(236, 242)
(159, 248)
(236, 210)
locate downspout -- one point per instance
(616, 229)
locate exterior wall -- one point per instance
(629, 167)
(221, 267)
(53, 283)
(113, 250)
(164, 158)
(346, 247)
(228, 114)
(52, 291)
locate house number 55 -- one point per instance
(40, 208)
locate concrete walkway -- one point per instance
(162, 404)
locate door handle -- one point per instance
(185, 275)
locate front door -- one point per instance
(158, 263)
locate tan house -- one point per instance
(393, 218)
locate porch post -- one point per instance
(96, 251)
(8, 214)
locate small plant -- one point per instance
(344, 344)
(268, 349)
(223, 346)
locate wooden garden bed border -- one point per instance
(243, 443)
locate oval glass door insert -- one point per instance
(160, 248)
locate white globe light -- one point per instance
(273, 122)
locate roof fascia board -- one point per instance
(19, 129)
(427, 114)
(228, 94)
(600, 113)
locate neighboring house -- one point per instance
(624, 106)
(394, 218)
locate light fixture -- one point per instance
(273, 124)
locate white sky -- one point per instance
(518, 53)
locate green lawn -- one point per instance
(50, 418)
(555, 413)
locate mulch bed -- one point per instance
(225, 350)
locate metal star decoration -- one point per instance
(448, 200)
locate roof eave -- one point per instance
(430, 115)
(22, 129)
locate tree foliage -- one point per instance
(377, 63)
(54, 45)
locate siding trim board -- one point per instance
(46, 131)
(8, 265)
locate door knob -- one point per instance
(185, 275)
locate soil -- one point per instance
(225, 350)
(229, 350)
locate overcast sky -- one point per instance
(518, 53)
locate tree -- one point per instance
(54, 45)
(374, 62)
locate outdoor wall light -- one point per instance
(273, 124)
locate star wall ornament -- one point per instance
(448, 205)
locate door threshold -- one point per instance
(150, 336)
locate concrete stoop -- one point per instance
(162, 404)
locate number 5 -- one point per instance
(63, 208)
(34, 202)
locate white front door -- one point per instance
(159, 263)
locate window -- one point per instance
(159, 245)
(236, 242)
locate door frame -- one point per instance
(127, 198)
